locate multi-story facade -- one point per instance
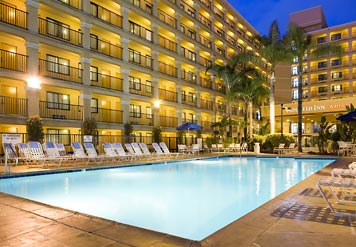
(131, 61)
(329, 82)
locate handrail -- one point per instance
(7, 147)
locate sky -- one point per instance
(261, 13)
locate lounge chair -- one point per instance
(146, 151)
(244, 147)
(110, 152)
(339, 172)
(79, 153)
(52, 151)
(159, 151)
(166, 150)
(119, 149)
(10, 153)
(182, 148)
(136, 147)
(335, 185)
(290, 148)
(279, 149)
(38, 156)
(92, 153)
(195, 149)
(132, 152)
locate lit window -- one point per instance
(294, 70)
(321, 40)
(336, 75)
(58, 101)
(295, 82)
(295, 94)
(336, 88)
(335, 36)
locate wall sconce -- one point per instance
(34, 82)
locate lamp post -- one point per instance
(282, 120)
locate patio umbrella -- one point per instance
(348, 117)
(189, 126)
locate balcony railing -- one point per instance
(13, 16)
(188, 53)
(106, 81)
(187, 31)
(163, 16)
(106, 115)
(167, 69)
(189, 76)
(165, 121)
(187, 8)
(230, 22)
(204, 20)
(219, 31)
(219, 12)
(204, 41)
(11, 106)
(166, 43)
(230, 39)
(167, 95)
(73, 3)
(141, 89)
(189, 100)
(138, 118)
(59, 71)
(105, 15)
(206, 104)
(59, 31)
(204, 61)
(221, 88)
(146, 6)
(207, 3)
(221, 107)
(135, 57)
(219, 50)
(207, 83)
(13, 61)
(141, 31)
(60, 111)
(105, 47)
(206, 125)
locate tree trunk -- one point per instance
(300, 106)
(250, 106)
(271, 104)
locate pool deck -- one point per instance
(297, 217)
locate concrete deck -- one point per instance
(298, 217)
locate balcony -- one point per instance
(169, 20)
(141, 89)
(188, 53)
(165, 121)
(230, 22)
(60, 31)
(167, 69)
(219, 31)
(206, 125)
(77, 4)
(205, 21)
(140, 31)
(221, 88)
(59, 71)
(206, 104)
(220, 107)
(106, 81)
(219, 12)
(230, 39)
(204, 61)
(187, 8)
(135, 57)
(105, 15)
(13, 16)
(189, 100)
(187, 31)
(167, 95)
(207, 3)
(13, 61)
(60, 111)
(204, 41)
(105, 47)
(207, 83)
(138, 118)
(146, 6)
(220, 50)
(106, 115)
(166, 43)
(11, 106)
(189, 76)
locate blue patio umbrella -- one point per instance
(348, 117)
(189, 126)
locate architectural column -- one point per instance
(33, 98)
(197, 95)
(125, 108)
(179, 116)
(125, 73)
(85, 95)
(32, 58)
(33, 84)
(85, 27)
(155, 88)
(179, 41)
(155, 60)
(179, 94)
(125, 18)
(212, 98)
(197, 54)
(32, 17)
(198, 117)
(178, 18)
(125, 49)
(197, 76)
(155, 8)
(155, 33)
(179, 70)
(86, 6)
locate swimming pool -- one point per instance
(190, 199)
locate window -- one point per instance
(57, 64)
(322, 89)
(336, 88)
(134, 28)
(295, 60)
(184, 117)
(295, 70)
(148, 86)
(93, 73)
(148, 61)
(322, 77)
(192, 97)
(58, 136)
(294, 128)
(335, 36)
(135, 83)
(295, 94)
(135, 111)
(148, 112)
(135, 56)
(94, 9)
(183, 95)
(58, 101)
(336, 62)
(57, 29)
(295, 82)
(336, 75)
(94, 42)
(94, 105)
(321, 40)
(322, 65)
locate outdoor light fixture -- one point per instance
(34, 82)
(157, 103)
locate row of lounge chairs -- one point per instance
(55, 153)
(341, 185)
(283, 149)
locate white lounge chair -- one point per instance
(279, 149)
(38, 156)
(119, 149)
(159, 151)
(92, 153)
(79, 153)
(52, 151)
(182, 148)
(335, 185)
(145, 154)
(110, 152)
(290, 148)
(195, 149)
(165, 149)
(132, 152)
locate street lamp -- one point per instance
(282, 108)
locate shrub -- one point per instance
(273, 140)
(34, 126)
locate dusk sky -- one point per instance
(261, 13)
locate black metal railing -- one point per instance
(106, 115)
(105, 15)
(60, 111)
(59, 71)
(141, 31)
(106, 81)
(163, 16)
(138, 118)
(13, 106)
(105, 47)
(13, 61)
(135, 57)
(141, 89)
(167, 69)
(166, 43)
(165, 121)
(13, 16)
(167, 95)
(73, 3)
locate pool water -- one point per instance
(190, 199)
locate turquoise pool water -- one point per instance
(190, 199)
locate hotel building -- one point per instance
(329, 83)
(131, 61)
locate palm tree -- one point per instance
(274, 52)
(252, 90)
(301, 47)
